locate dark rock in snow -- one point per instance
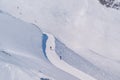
(111, 4)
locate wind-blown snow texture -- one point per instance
(89, 30)
(21, 53)
(82, 64)
(91, 25)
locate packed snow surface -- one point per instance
(55, 60)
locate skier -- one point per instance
(50, 47)
(60, 57)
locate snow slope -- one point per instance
(98, 72)
(84, 26)
(21, 54)
(12, 72)
(55, 60)
(91, 25)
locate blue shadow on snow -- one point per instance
(44, 40)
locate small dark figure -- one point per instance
(60, 57)
(51, 47)
(44, 79)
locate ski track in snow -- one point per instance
(55, 60)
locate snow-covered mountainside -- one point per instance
(21, 54)
(86, 32)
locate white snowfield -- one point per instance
(86, 27)
(55, 60)
(91, 25)
(21, 56)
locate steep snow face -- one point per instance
(58, 62)
(85, 26)
(21, 55)
(12, 41)
(79, 24)
(97, 71)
